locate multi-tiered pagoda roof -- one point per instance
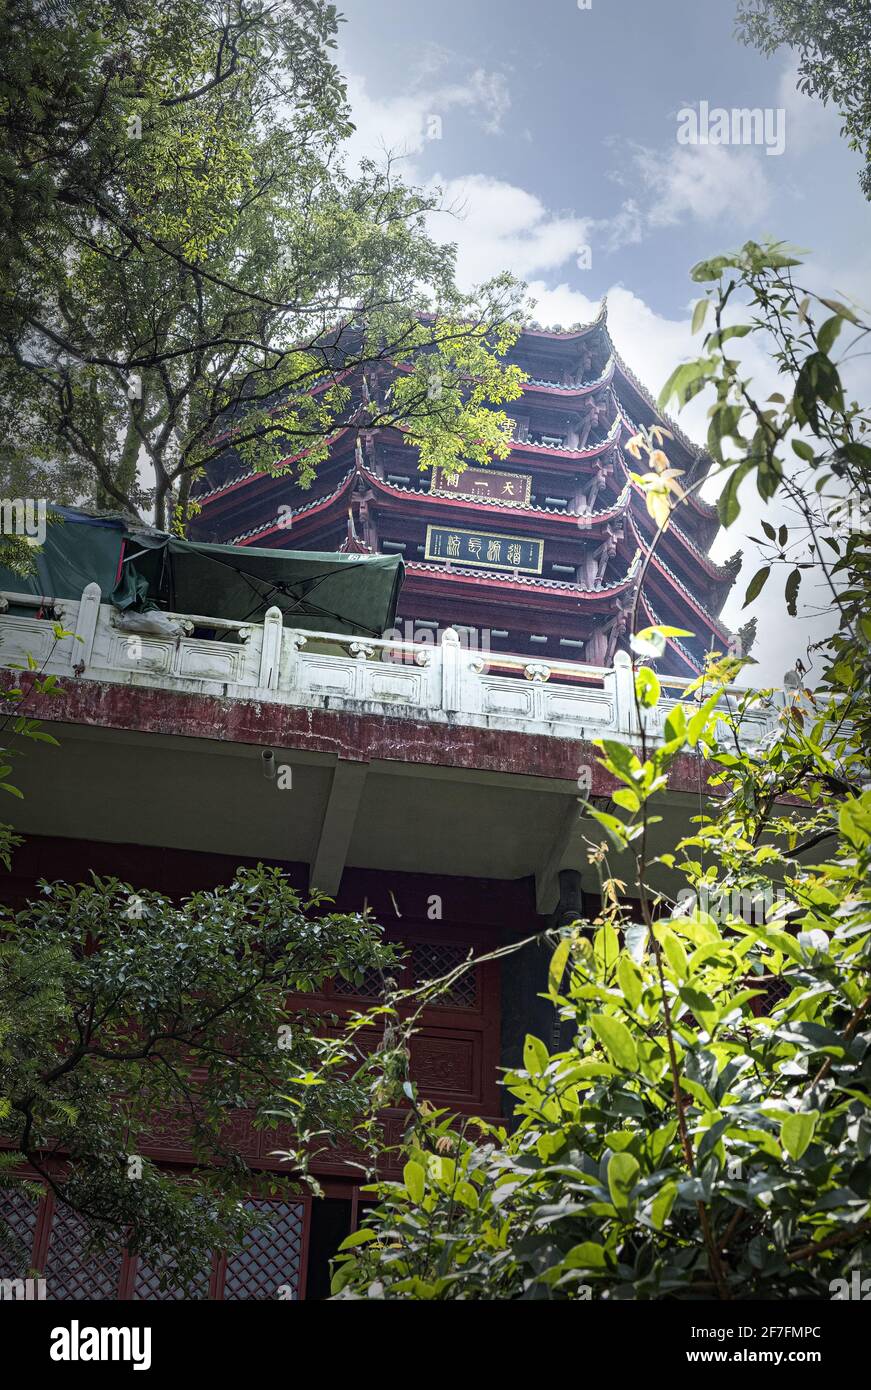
(539, 554)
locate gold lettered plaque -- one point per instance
(484, 550)
(484, 485)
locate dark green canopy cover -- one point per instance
(140, 569)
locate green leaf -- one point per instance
(728, 506)
(587, 1255)
(612, 827)
(535, 1055)
(623, 1170)
(558, 965)
(676, 955)
(840, 309)
(647, 687)
(791, 591)
(357, 1238)
(414, 1177)
(797, 1131)
(756, 585)
(829, 332)
(699, 312)
(629, 980)
(617, 1039)
(627, 798)
(685, 380)
(606, 948)
(467, 1193)
(662, 1204)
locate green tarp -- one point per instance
(316, 590)
(78, 550)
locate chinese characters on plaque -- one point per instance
(483, 549)
(484, 484)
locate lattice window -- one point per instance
(146, 1285)
(775, 993)
(270, 1262)
(17, 1227)
(70, 1272)
(370, 987)
(432, 959)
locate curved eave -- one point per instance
(258, 475)
(673, 644)
(560, 335)
(569, 393)
(322, 504)
(499, 585)
(721, 574)
(668, 574)
(538, 451)
(501, 511)
(706, 510)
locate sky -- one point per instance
(551, 128)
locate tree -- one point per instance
(833, 41)
(706, 1132)
(122, 1011)
(190, 268)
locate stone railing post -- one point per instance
(624, 690)
(270, 649)
(86, 627)
(296, 640)
(450, 659)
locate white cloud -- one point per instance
(705, 182)
(402, 124)
(498, 226)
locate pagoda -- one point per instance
(538, 555)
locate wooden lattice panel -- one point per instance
(430, 960)
(71, 1272)
(146, 1285)
(271, 1259)
(370, 987)
(18, 1213)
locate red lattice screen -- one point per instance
(270, 1263)
(18, 1214)
(72, 1272)
(50, 1237)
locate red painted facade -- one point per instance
(455, 1059)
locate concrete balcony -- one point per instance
(447, 683)
(422, 758)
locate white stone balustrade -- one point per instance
(265, 661)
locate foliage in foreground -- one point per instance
(683, 1144)
(184, 254)
(707, 1132)
(122, 1012)
(832, 39)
